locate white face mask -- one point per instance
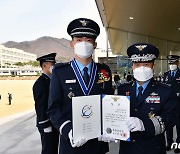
(84, 49)
(172, 67)
(143, 73)
(50, 69)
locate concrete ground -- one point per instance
(19, 135)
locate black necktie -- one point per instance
(140, 88)
(172, 74)
(86, 76)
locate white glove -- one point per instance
(106, 138)
(48, 129)
(135, 124)
(78, 143)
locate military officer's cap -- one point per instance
(47, 58)
(172, 58)
(142, 52)
(83, 27)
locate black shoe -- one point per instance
(177, 151)
(168, 147)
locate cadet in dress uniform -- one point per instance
(172, 77)
(152, 105)
(80, 77)
(49, 135)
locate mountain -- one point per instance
(45, 45)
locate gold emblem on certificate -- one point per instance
(115, 99)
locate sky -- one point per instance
(27, 20)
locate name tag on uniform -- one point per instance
(71, 81)
(153, 98)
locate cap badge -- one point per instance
(84, 22)
(141, 47)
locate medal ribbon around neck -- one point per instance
(86, 90)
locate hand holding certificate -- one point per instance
(95, 115)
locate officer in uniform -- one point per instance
(49, 135)
(80, 77)
(152, 105)
(172, 77)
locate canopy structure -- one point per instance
(133, 21)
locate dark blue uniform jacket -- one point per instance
(41, 94)
(156, 109)
(60, 105)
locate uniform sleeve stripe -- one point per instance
(61, 127)
(41, 122)
(158, 125)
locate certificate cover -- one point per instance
(86, 117)
(97, 114)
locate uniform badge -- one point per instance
(141, 47)
(153, 98)
(71, 81)
(151, 115)
(71, 94)
(84, 22)
(103, 76)
(154, 94)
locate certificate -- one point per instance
(86, 113)
(98, 114)
(115, 112)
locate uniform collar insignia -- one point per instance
(84, 22)
(141, 47)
